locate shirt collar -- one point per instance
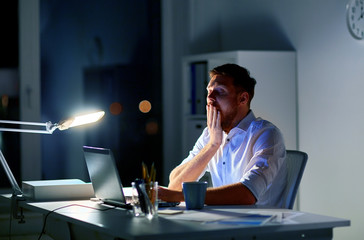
(243, 125)
(246, 121)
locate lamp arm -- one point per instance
(23, 123)
(16, 189)
(17, 192)
(49, 127)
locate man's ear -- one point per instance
(244, 97)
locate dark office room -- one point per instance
(133, 60)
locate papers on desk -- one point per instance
(246, 219)
(229, 218)
(169, 211)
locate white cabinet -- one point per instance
(275, 93)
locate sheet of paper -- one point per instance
(246, 219)
(201, 216)
(223, 217)
(169, 211)
(280, 216)
(253, 217)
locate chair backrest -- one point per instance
(296, 163)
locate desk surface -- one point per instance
(120, 223)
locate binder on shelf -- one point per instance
(198, 87)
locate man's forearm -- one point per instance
(191, 170)
(233, 194)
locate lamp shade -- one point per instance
(81, 120)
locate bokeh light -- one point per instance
(145, 106)
(4, 101)
(115, 108)
(151, 127)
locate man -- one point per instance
(245, 155)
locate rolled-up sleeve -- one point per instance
(268, 157)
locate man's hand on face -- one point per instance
(214, 125)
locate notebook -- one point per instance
(104, 176)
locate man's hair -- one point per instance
(241, 76)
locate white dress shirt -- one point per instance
(253, 153)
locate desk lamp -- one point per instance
(49, 129)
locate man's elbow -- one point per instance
(243, 200)
(236, 194)
(235, 201)
(248, 200)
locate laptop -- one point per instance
(105, 177)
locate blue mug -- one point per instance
(194, 194)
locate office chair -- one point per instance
(296, 163)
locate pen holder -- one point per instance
(145, 199)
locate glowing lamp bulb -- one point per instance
(81, 120)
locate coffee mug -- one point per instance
(194, 194)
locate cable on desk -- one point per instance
(71, 205)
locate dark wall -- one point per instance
(78, 37)
(9, 34)
(9, 104)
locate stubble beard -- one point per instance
(227, 120)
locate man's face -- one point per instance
(222, 94)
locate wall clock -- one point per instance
(355, 18)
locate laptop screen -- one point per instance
(103, 174)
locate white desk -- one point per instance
(86, 220)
